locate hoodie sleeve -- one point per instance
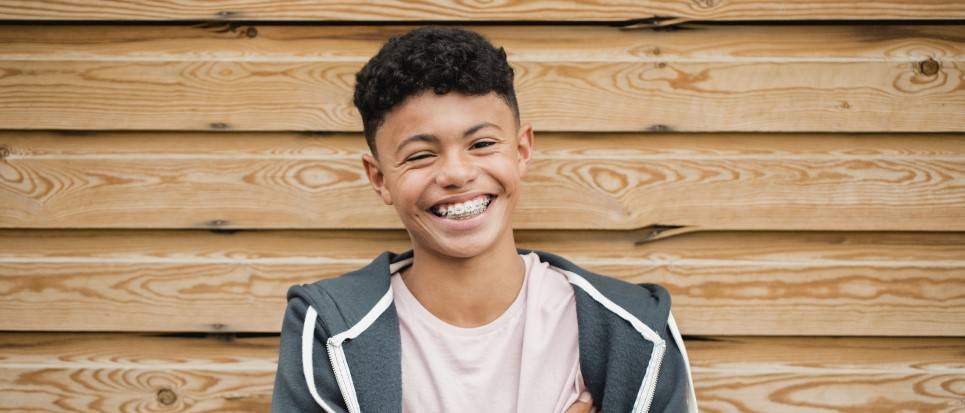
(675, 386)
(303, 380)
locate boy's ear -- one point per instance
(524, 146)
(376, 178)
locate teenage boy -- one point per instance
(465, 321)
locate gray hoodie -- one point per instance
(341, 349)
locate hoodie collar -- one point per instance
(598, 298)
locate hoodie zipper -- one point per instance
(651, 388)
(648, 388)
(342, 374)
(336, 353)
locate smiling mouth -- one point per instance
(463, 210)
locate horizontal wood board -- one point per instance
(136, 372)
(722, 283)
(514, 10)
(700, 79)
(575, 181)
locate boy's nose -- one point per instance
(456, 170)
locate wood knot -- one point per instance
(928, 67)
(218, 125)
(4, 152)
(217, 222)
(661, 65)
(251, 32)
(167, 396)
(659, 127)
(705, 4)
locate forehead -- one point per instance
(447, 115)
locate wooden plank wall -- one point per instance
(794, 173)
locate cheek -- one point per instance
(507, 173)
(409, 189)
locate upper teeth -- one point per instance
(472, 206)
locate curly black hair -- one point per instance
(443, 59)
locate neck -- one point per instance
(466, 292)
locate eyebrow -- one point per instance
(426, 137)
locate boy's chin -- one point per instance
(470, 252)
(464, 247)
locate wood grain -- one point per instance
(135, 373)
(705, 79)
(250, 42)
(515, 10)
(722, 283)
(130, 372)
(576, 181)
(823, 374)
(770, 243)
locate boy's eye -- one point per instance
(487, 143)
(417, 157)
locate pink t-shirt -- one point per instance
(527, 360)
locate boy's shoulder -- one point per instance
(372, 275)
(649, 302)
(348, 296)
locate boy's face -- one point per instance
(437, 149)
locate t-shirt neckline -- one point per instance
(512, 313)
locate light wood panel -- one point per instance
(725, 221)
(515, 10)
(705, 43)
(709, 78)
(576, 181)
(822, 374)
(722, 283)
(133, 372)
